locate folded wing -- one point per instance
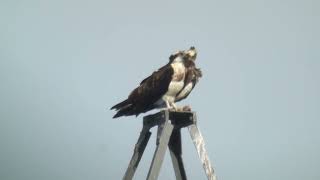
(150, 90)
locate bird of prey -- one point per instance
(169, 84)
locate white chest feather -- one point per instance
(179, 71)
(176, 83)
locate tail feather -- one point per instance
(125, 111)
(124, 108)
(120, 105)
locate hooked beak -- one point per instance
(192, 53)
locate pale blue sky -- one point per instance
(63, 63)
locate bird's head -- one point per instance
(191, 53)
(176, 55)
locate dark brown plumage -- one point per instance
(171, 83)
(142, 98)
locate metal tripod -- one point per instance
(169, 124)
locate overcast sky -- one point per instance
(64, 63)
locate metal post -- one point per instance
(175, 147)
(198, 142)
(164, 133)
(138, 151)
(169, 124)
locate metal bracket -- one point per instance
(169, 124)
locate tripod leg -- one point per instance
(138, 151)
(199, 144)
(175, 147)
(164, 133)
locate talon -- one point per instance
(175, 107)
(168, 105)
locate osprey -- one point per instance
(169, 84)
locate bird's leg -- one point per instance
(176, 108)
(168, 105)
(171, 106)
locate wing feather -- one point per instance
(150, 90)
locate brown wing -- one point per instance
(150, 90)
(156, 72)
(171, 58)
